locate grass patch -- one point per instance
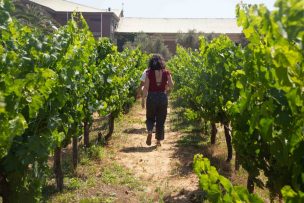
(64, 198)
(89, 178)
(73, 183)
(161, 194)
(194, 140)
(96, 152)
(67, 164)
(96, 168)
(115, 174)
(98, 200)
(158, 197)
(85, 160)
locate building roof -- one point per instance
(68, 6)
(178, 25)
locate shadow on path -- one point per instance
(185, 196)
(185, 152)
(135, 131)
(138, 149)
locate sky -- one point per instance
(174, 8)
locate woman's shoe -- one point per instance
(149, 137)
(158, 144)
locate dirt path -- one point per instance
(167, 170)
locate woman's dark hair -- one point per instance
(157, 62)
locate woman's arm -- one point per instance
(141, 86)
(145, 92)
(170, 82)
(146, 87)
(139, 90)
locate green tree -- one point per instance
(191, 39)
(188, 40)
(149, 44)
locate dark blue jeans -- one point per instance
(156, 105)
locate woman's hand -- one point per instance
(143, 102)
(140, 90)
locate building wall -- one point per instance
(109, 22)
(171, 45)
(236, 37)
(170, 41)
(94, 22)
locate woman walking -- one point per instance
(157, 82)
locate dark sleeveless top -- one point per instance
(161, 87)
